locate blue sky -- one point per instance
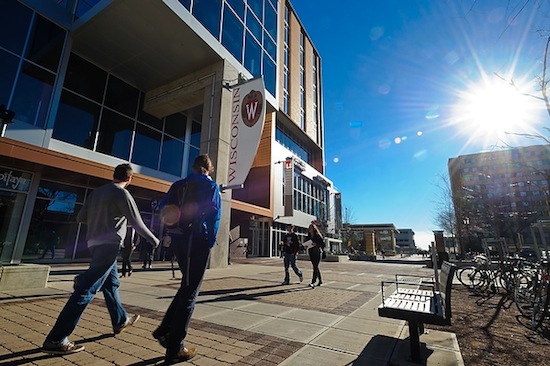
(407, 84)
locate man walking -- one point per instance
(106, 212)
(191, 210)
(290, 247)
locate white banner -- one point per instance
(247, 123)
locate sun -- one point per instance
(495, 108)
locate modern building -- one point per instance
(500, 194)
(97, 83)
(404, 241)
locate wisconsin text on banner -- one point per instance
(247, 123)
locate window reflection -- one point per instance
(32, 95)
(147, 147)
(76, 121)
(115, 135)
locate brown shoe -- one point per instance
(183, 355)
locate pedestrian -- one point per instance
(315, 252)
(51, 240)
(147, 253)
(192, 220)
(107, 211)
(165, 251)
(291, 245)
(128, 246)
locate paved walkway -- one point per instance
(243, 317)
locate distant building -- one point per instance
(499, 194)
(372, 237)
(404, 241)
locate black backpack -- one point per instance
(181, 208)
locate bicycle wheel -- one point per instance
(462, 275)
(540, 307)
(480, 280)
(524, 292)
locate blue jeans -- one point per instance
(289, 259)
(101, 275)
(192, 255)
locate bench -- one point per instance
(419, 301)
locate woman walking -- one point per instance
(315, 236)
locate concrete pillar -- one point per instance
(215, 137)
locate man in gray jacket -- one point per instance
(107, 211)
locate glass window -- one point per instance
(252, 55)
(208, 12)
(270, 47)
(32, 95)
(7, 75)
(193, 153)
(270, 22)
(254, 26)
(196, 135)
(146, 147)
(45, 43)
(115, 135)
(146, 118)
(238, 7)
(15, 19)
(172, 156)
(257, 7)
(232, 34)
(186, 3)
(121, 96)
(12, 204)
(85, 78)
(84, 6)
(76, 121)
(175, 125)
(269, 75)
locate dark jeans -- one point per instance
(101, 275)
(290, 261)
(315, 258)
(192, 255)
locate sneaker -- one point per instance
(301, 278)
(61, 348)
(129, 273)
(162, 338)
(129, 322)
(285, 283)
(319, 284)
(183, 355)
(312, 285)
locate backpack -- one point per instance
(180, 209)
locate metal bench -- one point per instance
(419, 301)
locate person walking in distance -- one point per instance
(107, 211)
(128, 246)
(314, 252)
(191, 212)
(291, 245)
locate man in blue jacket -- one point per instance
(191, 212)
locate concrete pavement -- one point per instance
(244, 316)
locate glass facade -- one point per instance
(29, 54)
(247, 29)
(118, 126)
(310, 197)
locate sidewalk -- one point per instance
(243, 317)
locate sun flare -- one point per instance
(495, 108)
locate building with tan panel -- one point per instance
(97, 83)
